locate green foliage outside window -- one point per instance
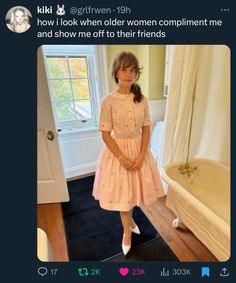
(70, 87)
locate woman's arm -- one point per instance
(145, 140)
(137, 163)
(114, 148)
(111, 144)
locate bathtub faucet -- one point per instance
(187, 169)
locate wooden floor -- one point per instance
(51, 221)
(183, 243)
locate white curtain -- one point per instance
(205, 70)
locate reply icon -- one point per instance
(42, 271)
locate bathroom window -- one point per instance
(72, 79)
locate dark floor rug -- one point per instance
(153, 250)
(95, 234)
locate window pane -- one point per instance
(65, 111)
(80, 88)
(83, 109)
(78, 67)
(61, 89)
(57, 67)
(69, 80)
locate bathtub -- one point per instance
(202, 202)
(44, 251)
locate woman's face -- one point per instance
(19, 17)
(126, 76)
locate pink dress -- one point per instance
(114, 186)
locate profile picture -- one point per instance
(18, 19)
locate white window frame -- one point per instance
(98, 78)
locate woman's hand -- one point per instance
(126, 163)
(137, 163)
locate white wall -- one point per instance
(157, 110)
(80, 151)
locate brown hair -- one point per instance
(127, 59)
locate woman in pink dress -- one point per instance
(126, 174)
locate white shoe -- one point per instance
(135, 229)
(124, 247)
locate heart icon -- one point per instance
(124, 271)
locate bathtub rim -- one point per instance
(166, 178)
(216, 162)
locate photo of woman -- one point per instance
(18, 19)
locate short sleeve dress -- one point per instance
(115, 187)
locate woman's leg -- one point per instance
(132, 223)
(125, 219)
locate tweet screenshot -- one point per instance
(121, 147)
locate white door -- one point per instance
(52, 185)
